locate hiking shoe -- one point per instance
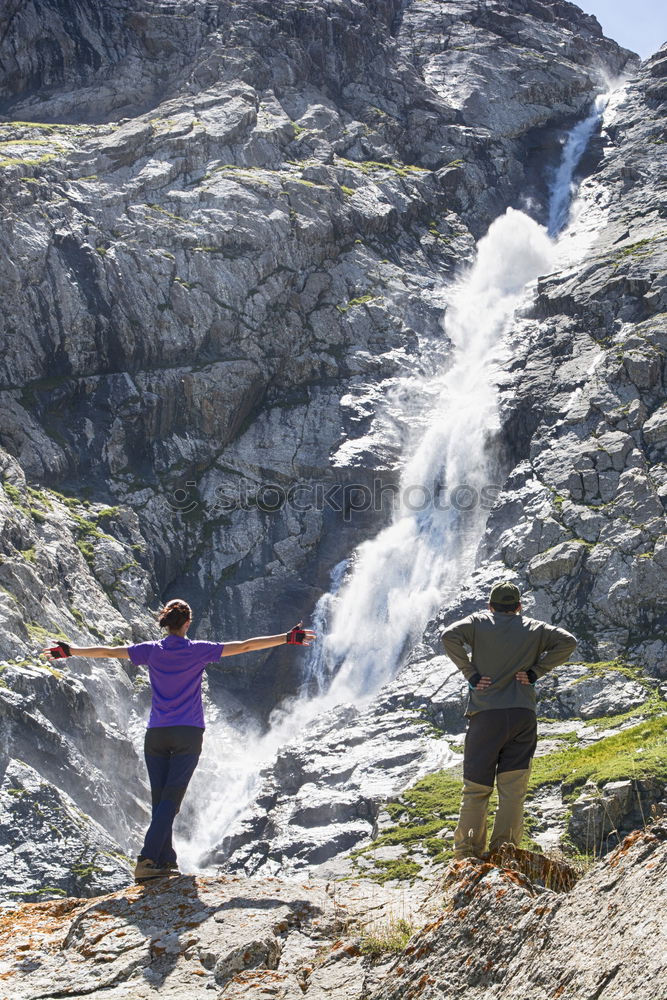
(146, 869)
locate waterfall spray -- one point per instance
(402, 575)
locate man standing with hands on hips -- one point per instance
(508, 654)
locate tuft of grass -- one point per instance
(389, 939)
(108, 513)
(86, 549)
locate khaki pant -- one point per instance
(499, 747)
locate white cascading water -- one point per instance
(563, 187)
(396, 581)
(405, 573)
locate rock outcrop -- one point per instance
(502, 939)
(488, 932)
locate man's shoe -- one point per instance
(146, 869)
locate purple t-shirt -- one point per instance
(175, 667)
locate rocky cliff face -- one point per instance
(228, 232)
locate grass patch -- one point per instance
(430, 806)
(47, 126)
(389, 939)
(640, 751)
(35, 161)
(41, 499)
(361, 301)
(43, 636)
(602, 667)
(372, 166)
(395, 870)
(310, 184)
(13, 494)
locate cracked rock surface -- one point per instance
(488, 930)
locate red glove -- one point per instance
(296, 635)
(59, 651)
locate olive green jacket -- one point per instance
(500, 645)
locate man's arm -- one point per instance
(454, 639)
(558, 645)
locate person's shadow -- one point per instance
(147, 928)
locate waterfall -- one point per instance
(383, 596)
(317, 675)
(562, 188)
(401, 576)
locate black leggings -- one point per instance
(172, 754)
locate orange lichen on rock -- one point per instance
(629, 842)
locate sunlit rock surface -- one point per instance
(489, 931)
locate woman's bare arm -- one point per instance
(263, 642)
(120, 652)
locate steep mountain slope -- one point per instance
(227, 230)
(579, 524)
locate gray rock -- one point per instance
(600, 818)
(49, 847)
(606, 933)
(573, 692)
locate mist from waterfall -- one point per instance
(383, 596)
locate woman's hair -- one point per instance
(174, 614)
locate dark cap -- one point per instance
(505, 593)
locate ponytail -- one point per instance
(174, 614)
